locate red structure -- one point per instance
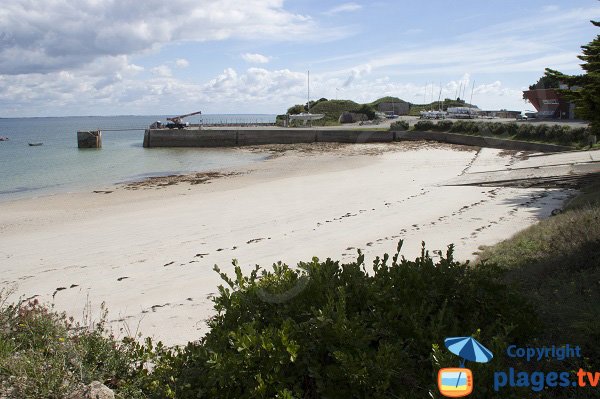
(549, 104)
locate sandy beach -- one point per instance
(148, 249)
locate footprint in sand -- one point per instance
(154, 307)
(58, 290)
(254, 240)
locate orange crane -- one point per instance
(176, 121)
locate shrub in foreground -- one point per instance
(43, 354)
(424, 125)
(399, 126)
(335, 330)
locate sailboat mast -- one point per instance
(308, 95)
(471, 102)
(432, 96)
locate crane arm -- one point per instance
(177, 119)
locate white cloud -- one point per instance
(182, 63)
(346, 7)
(162, 70)
(118, 85)
(256, 58)
(256, 84)
(65, 34)
(45, 68)
(356, 73)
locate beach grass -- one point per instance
(556, 265)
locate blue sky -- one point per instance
(101, 57)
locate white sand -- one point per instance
(137, 250)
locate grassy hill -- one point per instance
(387, 99)
(334, 108)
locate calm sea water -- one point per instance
(59, 166)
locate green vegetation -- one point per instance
(333, 109)
(43, 354)
(545, 82)
(556, 264)
(399, 126)
(589, 197)
(556, 134)
(387, 99)
(344, 333)
(585, 89)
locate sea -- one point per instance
(58, 166)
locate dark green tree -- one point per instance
(296, 109)
(584, 89)
(546, 82)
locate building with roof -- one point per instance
(397, 108)
(549, 104)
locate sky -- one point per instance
(151, 57)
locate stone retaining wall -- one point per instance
(244, 137)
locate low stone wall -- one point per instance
(479, 141)
(244, 137)
(189, 138)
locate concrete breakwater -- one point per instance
(245, 137)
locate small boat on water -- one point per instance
(35, 144)
(3, 138)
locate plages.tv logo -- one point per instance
(457, 382)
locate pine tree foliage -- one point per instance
(584, 89)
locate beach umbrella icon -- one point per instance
(468, 348)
